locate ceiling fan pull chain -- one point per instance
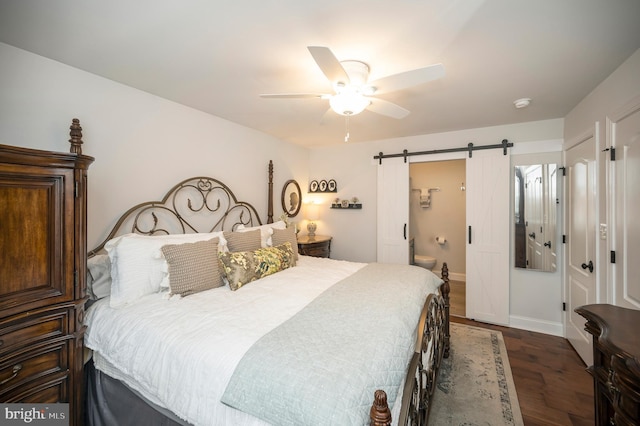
(346, 136)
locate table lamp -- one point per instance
(311, 212)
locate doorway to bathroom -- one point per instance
(437, 219)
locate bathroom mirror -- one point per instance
(535, 215)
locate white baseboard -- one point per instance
(456, 276)
(537, 325)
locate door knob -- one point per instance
(532, 235)
(588, 266)
(547, 244)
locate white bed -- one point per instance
(179, 353)
(169, 350)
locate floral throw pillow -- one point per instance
(243, 267)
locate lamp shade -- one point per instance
(312, 211)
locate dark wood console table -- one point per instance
(616, 363)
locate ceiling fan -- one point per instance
(354, 93)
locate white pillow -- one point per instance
(266, 231)
(138, 267)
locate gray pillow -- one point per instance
(193, 267)
(281, 236)
(98, 276)
(243, 241)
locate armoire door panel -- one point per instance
(36, 263)
(27, 267)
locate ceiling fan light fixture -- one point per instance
(348, 103)
(353, 93)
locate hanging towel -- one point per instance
(425, 198)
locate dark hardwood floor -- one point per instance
(552, 384)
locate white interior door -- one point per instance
(487, 286)
(580, 282)
(625, 133)
(393, 211)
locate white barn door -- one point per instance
(488, 190)
(393, 211)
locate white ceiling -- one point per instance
(218, 55)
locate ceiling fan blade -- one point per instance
(294, 95)
(407, 79)
(328, 117)
(387, 108)
(329, 64)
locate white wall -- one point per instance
(616, 90)
(142, 144)
(536, 296)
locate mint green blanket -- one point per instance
(322, 366)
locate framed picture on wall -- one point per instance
(291, 198)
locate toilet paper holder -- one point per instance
(441, 240)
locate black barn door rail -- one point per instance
(470, 148)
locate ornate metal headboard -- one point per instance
(198, 204)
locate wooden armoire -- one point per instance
(43, 251)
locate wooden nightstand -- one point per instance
(317, 246)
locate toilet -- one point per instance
(426, 262)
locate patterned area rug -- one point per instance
(475, 385)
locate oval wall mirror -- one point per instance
(536, 207)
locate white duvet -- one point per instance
(180, 353)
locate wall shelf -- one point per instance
(349, 207)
